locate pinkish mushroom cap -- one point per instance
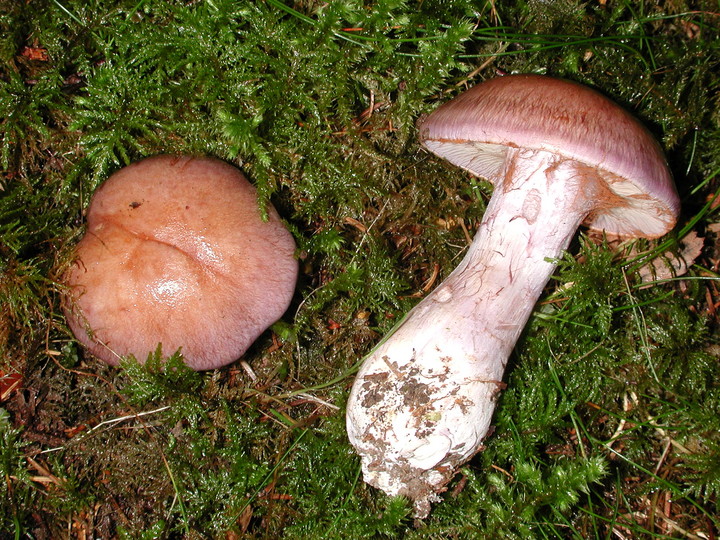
(476, 129)
(177, 253)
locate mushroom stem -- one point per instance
(423, 400)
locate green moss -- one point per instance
(16, 494)
(612, 395)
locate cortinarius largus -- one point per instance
(559, 155)
(177, 252)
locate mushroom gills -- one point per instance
(633, 209)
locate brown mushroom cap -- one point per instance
(176, 252)
(475, 129)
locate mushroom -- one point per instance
(177, 253)
(559, 155)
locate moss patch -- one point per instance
(611, 417)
